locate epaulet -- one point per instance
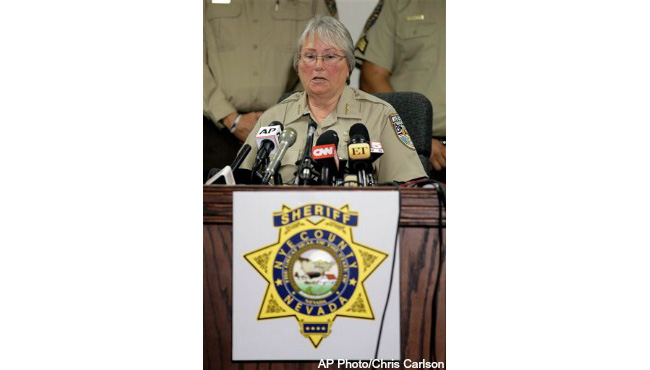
(291, 98)
(331, 8)
(362, 95)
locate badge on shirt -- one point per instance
(400, 130)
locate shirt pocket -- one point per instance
(289, 21)
(292, 10)
(417, 42)
(226, 23)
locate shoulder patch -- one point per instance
(400, 130)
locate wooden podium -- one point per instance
(422, 273)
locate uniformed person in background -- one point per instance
(324, 60)
(402, 48)
(248, 51)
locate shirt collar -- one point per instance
(295, 112)
(347, 106)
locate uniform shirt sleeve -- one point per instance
(215, 104)
(376, 44)
(399, 162)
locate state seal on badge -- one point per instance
(315, 271)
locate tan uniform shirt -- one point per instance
(399, 162)
(248, 52)
(408, 39)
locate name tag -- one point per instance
(418, 17)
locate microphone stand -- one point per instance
(362, 178)
(277, 178)
(371, 178)
(306, 168)
(325, 176)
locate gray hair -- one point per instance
(332, 32)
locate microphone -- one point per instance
(226, 174)
(287, 138)
(303, 175)
(243, 153)
(376, 151)
(267, 143)
(359, 152)
(350, 180)
(324, 153)
(343, 171)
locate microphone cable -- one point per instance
(441, 258)
(392, 271)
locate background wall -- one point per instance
(353, 14)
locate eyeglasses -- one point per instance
(328, 59)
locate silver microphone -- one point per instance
(287, 138)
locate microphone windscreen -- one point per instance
(328, 137)
(213, 171)
(359, 133)
(289, 135)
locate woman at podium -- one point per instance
(382, 149)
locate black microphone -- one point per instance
(303, 175)
(359, 152)
(223, 176)
(231, 175)
(325, 155)
(376, 151)
(213, 171)
(267, 140)
(343, 170)
(243, 152)
(287, 138)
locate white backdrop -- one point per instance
(353, 14)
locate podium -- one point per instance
(422, 275)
